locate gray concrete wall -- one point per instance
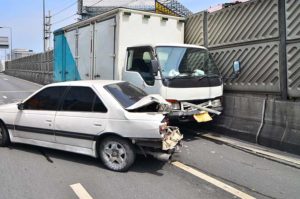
(36, 68)
(262, 119)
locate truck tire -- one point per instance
(4, 137)
(117, 154)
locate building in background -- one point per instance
(19, 53)
(2, 66)
(224, 5)
(90, 8)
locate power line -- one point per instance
(96, 3)
(67, 7)
(59, 21)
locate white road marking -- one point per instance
(5, 97)
(213, 181)
(5, 79)
(80, 191)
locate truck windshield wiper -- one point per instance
(207, 76)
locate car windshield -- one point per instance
(183, 62)
(126, 93)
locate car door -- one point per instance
(36, 120)
(81, 117)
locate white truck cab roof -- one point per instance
(171, 45)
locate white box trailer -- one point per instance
(96, 48)
(146, 49)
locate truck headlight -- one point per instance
(216, 103)
(175, 105)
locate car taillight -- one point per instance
(174, 104)
(164, 125)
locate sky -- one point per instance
(25, 17)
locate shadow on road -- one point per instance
(141, 165)
(194, 131)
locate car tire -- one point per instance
(117, 154)
(4, 137)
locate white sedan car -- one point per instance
(112, 120)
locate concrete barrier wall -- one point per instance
(264, 35)
(262, 119)
(36, 68)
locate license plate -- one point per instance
(202, 117)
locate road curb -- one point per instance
(259, 151)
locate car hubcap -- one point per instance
(115, 153)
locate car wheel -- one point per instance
(4, 138)
(117, 154)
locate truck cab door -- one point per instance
(138, 70)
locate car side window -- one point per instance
(82, 99)
(46, 99)
(139, 60)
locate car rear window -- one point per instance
(126, 93)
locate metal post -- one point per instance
(10, 43)
(44, 40)
(205, 28)
(282, 50)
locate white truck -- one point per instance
(146, 49)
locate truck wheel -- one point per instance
(4, 138)
(117, 154)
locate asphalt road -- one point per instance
(35, 172)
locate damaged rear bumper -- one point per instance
(162, 149)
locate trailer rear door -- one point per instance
(104, 53)
(85, 35)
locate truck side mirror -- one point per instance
(155, 67)
(236, 68)
(20, 106)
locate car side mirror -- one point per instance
(155, 67)
(236, 68)
(21, 106)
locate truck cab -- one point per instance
(185, 75)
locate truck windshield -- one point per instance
(125, 93)
(185, 62)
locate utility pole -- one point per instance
(44, 33)
(48, 31)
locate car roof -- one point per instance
(86, 83)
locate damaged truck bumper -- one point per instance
(194, 112)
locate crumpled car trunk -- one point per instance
(150, 103)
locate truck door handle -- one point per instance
(96, 124)
(48, 120)
(97, 76)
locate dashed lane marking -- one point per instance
(80, 191)
(213, 181)
(5, 97)
(5, 79)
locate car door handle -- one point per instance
(97, 124)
